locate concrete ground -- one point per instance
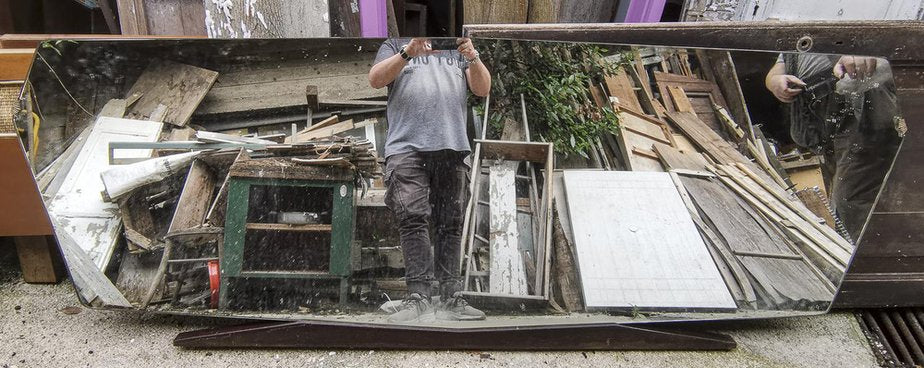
(45, 326)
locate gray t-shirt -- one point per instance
(426, 102)
(810, 65)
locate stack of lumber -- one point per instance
(167, 171)
(773, 252)
(335, 151)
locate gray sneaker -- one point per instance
(414, 308)
(456, 308)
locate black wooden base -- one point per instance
(332, 335)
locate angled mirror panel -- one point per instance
(676, 185)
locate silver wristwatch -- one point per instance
(474, 59)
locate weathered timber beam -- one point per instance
(833, 37)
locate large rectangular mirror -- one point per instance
(597, 183)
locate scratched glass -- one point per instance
(681, 184)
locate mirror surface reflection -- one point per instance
(597, 183)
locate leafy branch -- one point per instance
(555, 80)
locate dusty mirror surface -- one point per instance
(608, 183)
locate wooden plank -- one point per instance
(816, 201)
(39, 259)
(705, 138)
(205, 136)
(613, 221)
(508, 275)
(544, 11)
(344, 18)
(175, 17)
(811, 232)
(135, 274)
(495, 11)
(565, 269)
(190, 212)
(267, 19)
(195, 198)
(726, 78)
(216, 214)
(15, 64)
(700, 93)
(786, 279)
(545, 253)
(288, 227)
(179, 87)
(821, 259)
(322, 124)
(596, 92)
(515, 151)
(645, 125)
(288, 94)
(732, 271)
(31, 41)
(639, 76)
(619, 86)
(637, 135)
(78, 206)
(638, 155)
(587, 11)
(673, 158)
(730, 123)
(327, 131)
(132, 17)
(91, 284)
(799, 209)
(679, 98)
(470, 225)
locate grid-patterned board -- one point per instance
(637, 246)
(9, 104)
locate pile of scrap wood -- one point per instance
(141, 176)
(689, 120)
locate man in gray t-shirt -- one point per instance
(858, 136)
(425, 170)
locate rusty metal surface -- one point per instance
(895, 335)
(314, 335)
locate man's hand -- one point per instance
(782, 87)
(419, 47)
(467, 49)
(857, 67)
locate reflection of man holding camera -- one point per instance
(426, 170)
(846, 108)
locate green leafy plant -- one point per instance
(554, 79)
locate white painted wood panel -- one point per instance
(710, 10)
(78, 205)
(508, 275)
(832, 10)
(637, 246)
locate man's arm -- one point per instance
(479, 78)
(857, 67)
(385, 71)
(779, 83)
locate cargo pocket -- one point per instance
(392, 198)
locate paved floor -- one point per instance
(38, 328)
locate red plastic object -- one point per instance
(214, 282)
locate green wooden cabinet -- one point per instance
(257, 246)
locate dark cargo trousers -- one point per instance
(424, 189)
(857, 160)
